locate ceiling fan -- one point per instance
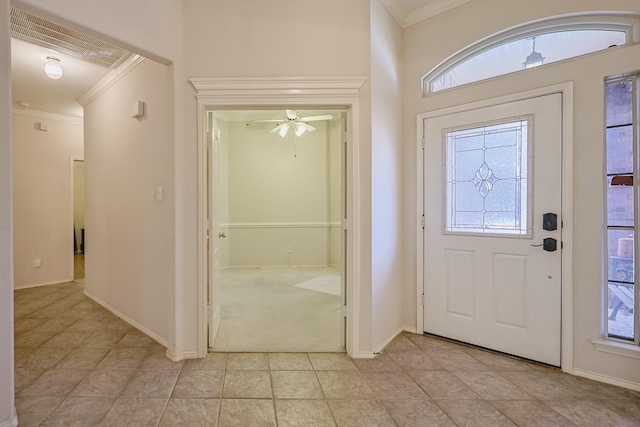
(292, 120)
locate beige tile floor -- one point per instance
(79, 365)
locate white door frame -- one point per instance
(253, 93)
(566, 89)
(72, 203)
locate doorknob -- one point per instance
(549, 244)
(221, 235)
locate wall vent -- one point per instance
(35, 30)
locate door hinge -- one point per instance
(345, 224)
(344, 137)
(422, 300)
(423, 221)
(343, 311)
(423, 142)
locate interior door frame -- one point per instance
(566, 90)
(73, 159)
(268, 92)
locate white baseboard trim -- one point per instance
(130, 321)
(13, 422)
(364, 355)
(182, 356)
(35, 285)
(607, 379)
(390, 338)
(411, 329)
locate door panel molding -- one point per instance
(566, 90)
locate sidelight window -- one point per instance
(621, 293)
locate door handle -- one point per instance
(549, 244)
(221, 235)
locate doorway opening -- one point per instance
(77, 191)
(275, 251)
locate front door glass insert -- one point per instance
(487, 179)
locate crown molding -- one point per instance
(112, 78)
(396, 11)
(433, 8)
(48, 116)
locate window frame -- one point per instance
(635, 79)
(629, 23)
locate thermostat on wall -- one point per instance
(137, 109)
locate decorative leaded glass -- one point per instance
(487, 179)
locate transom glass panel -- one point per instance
(487, 179)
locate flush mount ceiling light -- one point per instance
(293, 121)
(52, 68)
(535, 58)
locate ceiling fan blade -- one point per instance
(316, 118)
(307, 126)
(268, 121)
(291, 114)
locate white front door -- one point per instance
(213, 221)
(491, 175)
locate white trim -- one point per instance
(618, 348)
(435, 7)
(607, 379)
(386, 342)
(620, 21)
(72, 209)
(110, 79)
(48, 116)
(35, 285)
(241, 225)
(129, 320)
(566, 89)
(410, 329)
(178, 357)
(13, 422)
(331, 92)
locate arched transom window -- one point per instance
(532, 45)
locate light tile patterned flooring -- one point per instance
(79, 365)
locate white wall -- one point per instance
(42, 196)
(427, 43)
(78, 200)
(130, 237)
(243, 39)
(386, 177)
(7, 409)
(278, 195)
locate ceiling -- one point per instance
(33, 87)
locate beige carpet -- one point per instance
(280, 310)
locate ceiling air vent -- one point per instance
(38, 31)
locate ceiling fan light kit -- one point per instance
(292, 120)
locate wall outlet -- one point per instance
(288, 249)
(37, 262)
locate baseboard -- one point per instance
(182, 356)
(13, 422)
(390, 338)
(607, 379)
(410, 329)
(35, 285)
(127, 319)
(364, 355)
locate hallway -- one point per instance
(78, 364)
